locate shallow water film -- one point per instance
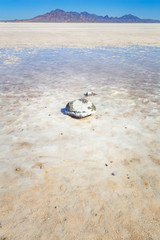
(134, 68)
(97, 178)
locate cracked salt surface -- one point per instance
(61, 161)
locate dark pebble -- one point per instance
(55, 207)
(106, 164)
(61, 133)
(18, 169)
(113, 174)
(96, 214)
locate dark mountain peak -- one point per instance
(130, 19)
(85, 13)
(129, 16)
(88, 14)
(59, 15)
(106, 16)
(57, 11)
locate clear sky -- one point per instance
(22, 9)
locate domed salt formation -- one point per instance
(80, 108)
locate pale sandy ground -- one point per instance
(56, 179)
(77, 35)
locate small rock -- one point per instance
(113, 174)
(88, 94)
(80, 108)
(106, 164)
(18, 169)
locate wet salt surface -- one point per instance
(134, 68)
(95, 178)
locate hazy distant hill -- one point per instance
(62, 16)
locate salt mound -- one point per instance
(80, 108)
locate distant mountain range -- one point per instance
(59, 15)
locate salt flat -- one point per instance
(67, 179)
(78, 34)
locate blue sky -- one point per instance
(21, 9)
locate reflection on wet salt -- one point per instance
(134, 68)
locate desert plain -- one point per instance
(96, 178)
(47, 35)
